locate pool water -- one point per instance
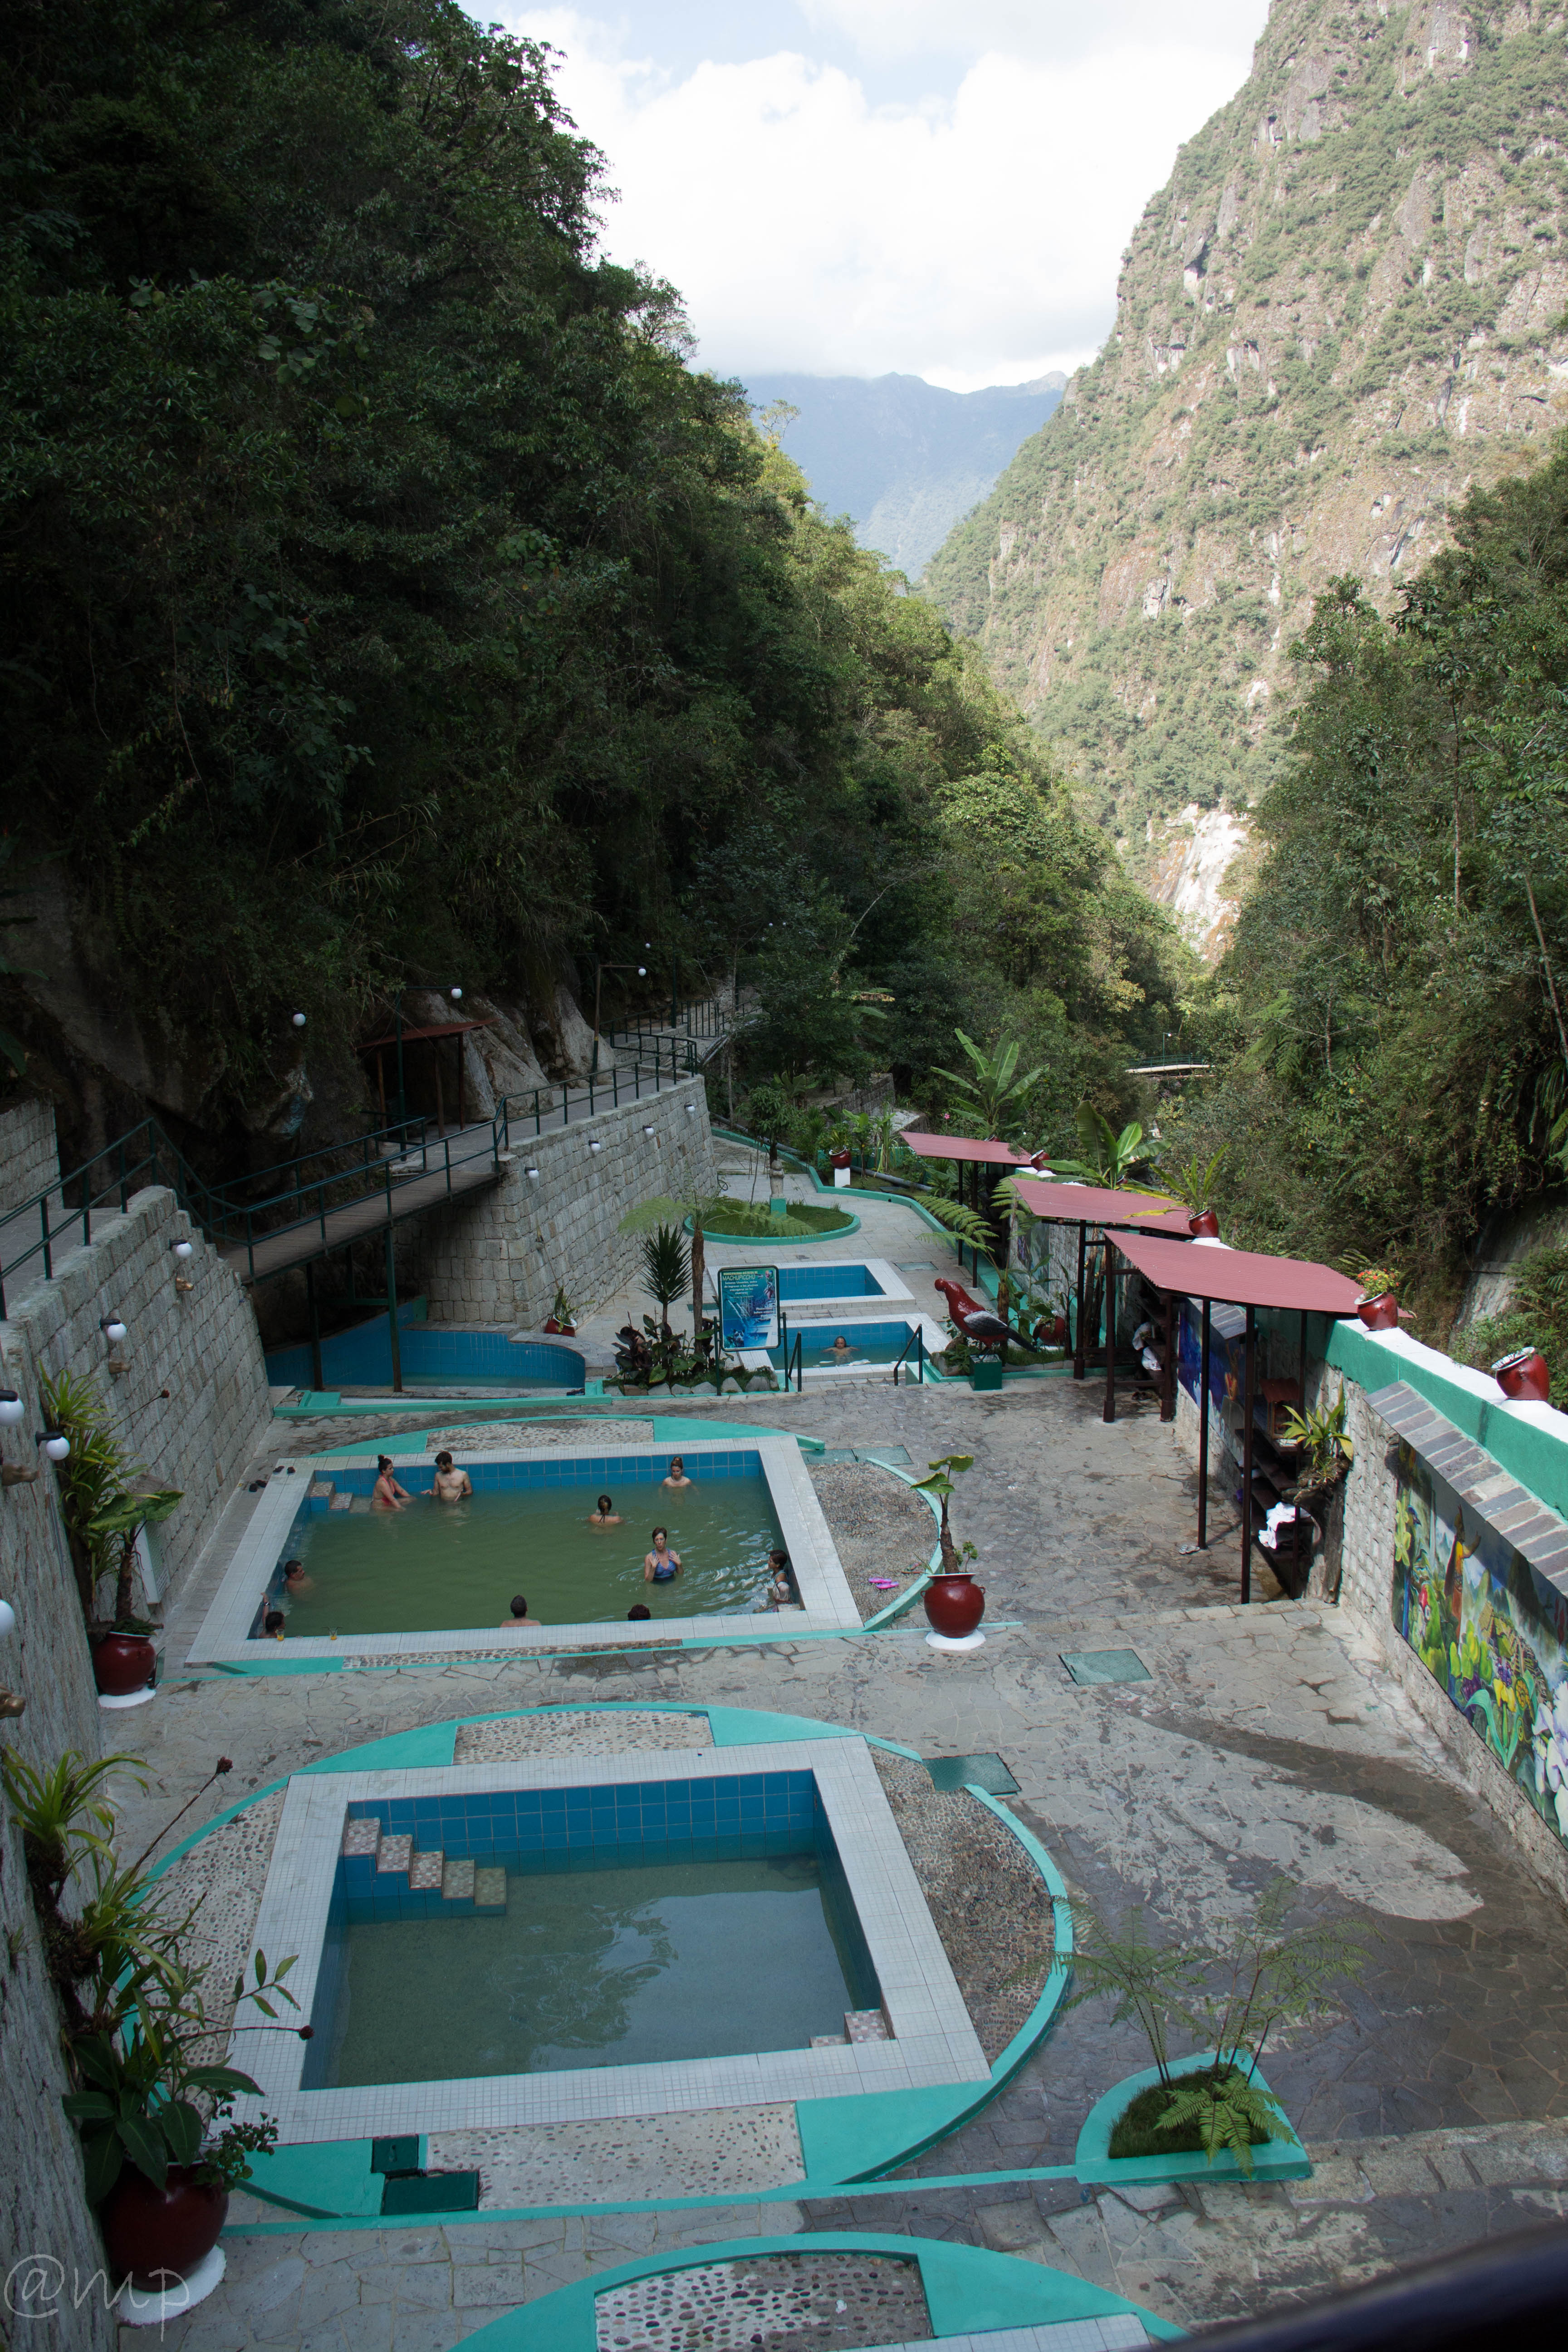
(438, 1565)
(615, 1964)
(846, 1279)
(869, 1344)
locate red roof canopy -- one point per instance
(963, 1147)
(1096, 1204)
(412, 1036)
(1240, 1277)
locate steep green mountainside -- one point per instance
(904, 459)
(1345, 310)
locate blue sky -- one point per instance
(854, 187)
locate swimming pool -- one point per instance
(440, 1577)
(433, 1355)
(609, 1848)
(869, 1345)
(706, 1917)
(835, 1278)
(434, 1564)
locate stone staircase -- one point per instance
(376, 1860)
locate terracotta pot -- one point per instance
(1205, 1222)
(151, 2232)
(565, 1331)
(123, 1663)
(838, 1158)
(955, 1603)
(1381, 1314)
(1524, 1376)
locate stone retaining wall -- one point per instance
(29, 1163)
(498, 1257)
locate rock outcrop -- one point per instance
(1346, 308)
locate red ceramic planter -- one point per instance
(1204, 1222)
(565, 1330)
(1379, 1314)
(157, 2235)
(954, 1605)
(1524, 1376)
(123, 1663)
(838, 1158)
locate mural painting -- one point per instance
(1488, 1629)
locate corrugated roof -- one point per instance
(1097, 1204)
(963, 1147)
(1241, 1277)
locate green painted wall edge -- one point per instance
(967, 2289)
(1279, 2159)
(1533, 1452)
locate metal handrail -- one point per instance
(916, 1339)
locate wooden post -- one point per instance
(1110, 1412)
(1248, 1387)
(1204, 1433)
(392, 1316)
(1078, 1354)
(316, 1379)
(1168, 1380)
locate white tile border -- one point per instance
(827, 1603)
(933, 2041)
(936, 1338)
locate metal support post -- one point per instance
(1248, 1387)
(1078, 1366)
(392, 1315)
(316, 1379)
(1204, 1433)
(1110, 1412)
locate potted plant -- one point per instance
(955, 1603)
(106, 1501)
(1318, 1433)
(1524, 1376)
(562, 1316)
(1378, 1305)
(159, 2151)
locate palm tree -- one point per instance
(991, 1093)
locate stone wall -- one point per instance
(499, 1258)
(29, 1163)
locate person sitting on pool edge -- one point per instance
(660, 1566)
(273, 1623)
(637, 1612)
(677, 1477)
(294, 1577)
(449, 1484)
(520, 1615)
(387, 1495)
(604, 1513)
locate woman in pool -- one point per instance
(677, 1477)
(660, 1566)
(604, 1513)
(387, 1495)
(450, 1485)
(839, 1352)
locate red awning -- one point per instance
(963, 1147)
(412, 1036)
(1240, 1277)
(1096, 1204)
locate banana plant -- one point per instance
(991, 1090)
(1108, 1159)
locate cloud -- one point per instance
(1044, 29)
(972, 237)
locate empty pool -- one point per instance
(434, 1356)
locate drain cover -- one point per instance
(395, 2155)
(1105, 1666)
(431, 2192)
(987, 1772)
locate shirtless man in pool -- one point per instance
(450, 1486)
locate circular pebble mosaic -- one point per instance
(831, 2301)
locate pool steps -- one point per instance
(859, 2025)
(456, 1879)
(324, 1490)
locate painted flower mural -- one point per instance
(1488, 1630)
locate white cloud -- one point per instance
(1031, 28)
(971, 238)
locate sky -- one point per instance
(941, 188)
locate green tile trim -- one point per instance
(1533, 1453)
(1284, 2159)
(680, 1428)
(966, 2287)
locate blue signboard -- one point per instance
(749, 1306)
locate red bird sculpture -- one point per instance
(980, 1326)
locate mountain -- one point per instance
(904, 459)
(1345, 309)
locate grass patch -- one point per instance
(1137, 2130)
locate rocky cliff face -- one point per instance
(1346, 308)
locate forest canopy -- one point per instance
(387, 596)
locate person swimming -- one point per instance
(387, 1495)
(780, 1593)
(294, 1577)
(637, 1612)
(450, 1485)
(520, 1615)
(677, 1477)
(839, 1352)
(660, 1566)
(604, 1513)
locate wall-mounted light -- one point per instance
(530, 1171)
(298, 1020)
(642, 971)
(7, 1619)
(456, 994)
(12, 1409)
(594, 1144)
(55, 1443)
(183, 1250)
(113, 1328)
(648, 1130)
(11, 1707)
(690, 1111)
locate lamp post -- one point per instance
(599, 971)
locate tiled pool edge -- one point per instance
(222, 1638)
(933, 2042)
